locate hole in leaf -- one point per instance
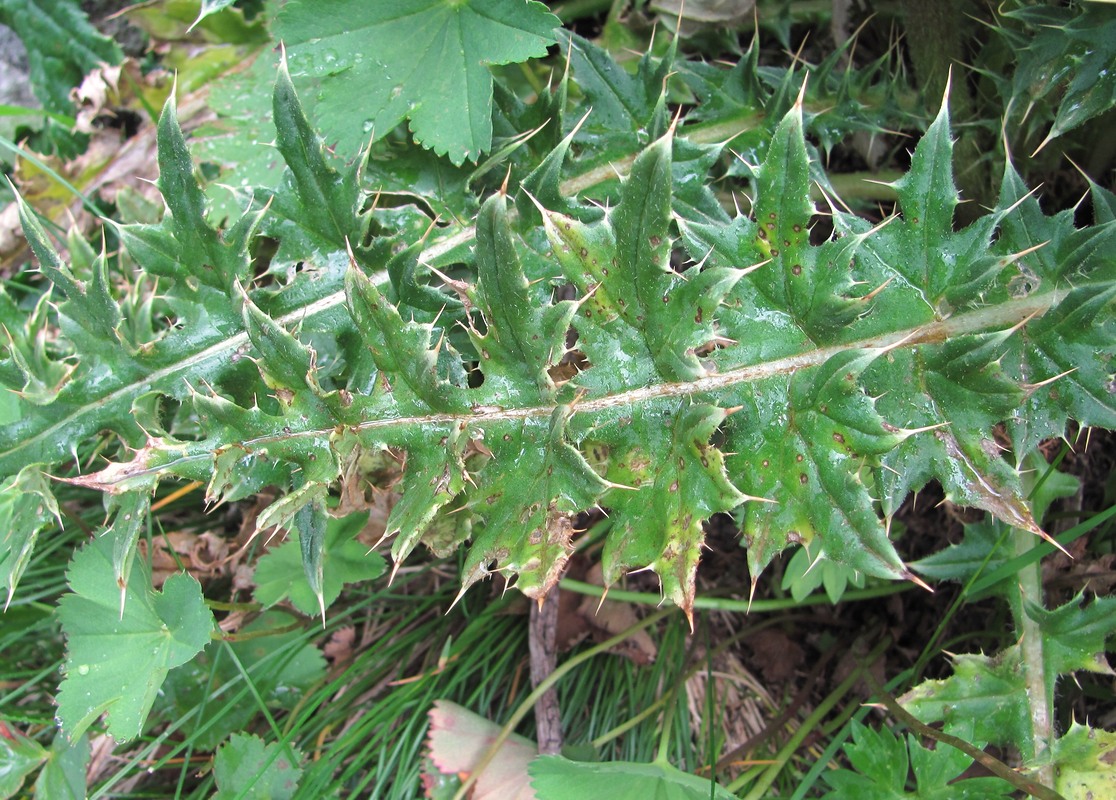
(263, 251)
(570, 365)
(475, 378)
(572, 362)
(389, 200)
(718, 342)
(125, 120)
(680, 261)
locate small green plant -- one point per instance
(573, 321)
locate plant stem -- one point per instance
(669, 712)
(1040, 698)
(728, 604)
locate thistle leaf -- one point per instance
(805, 388)
(320, 205)
(1065, 357)
(527, 495)
(519, 343)
(621, 264)
(131, 517)
(27, 508)
(91, 307)
(197, 244)
(669, 480)
(401, 348)
(805, 444)
(1084, 762)
(435, 474)
(990, 692)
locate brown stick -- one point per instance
(541, 640)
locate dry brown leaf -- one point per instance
(99, 91)
(205, 556)
(778, 655)
(111, 163)
(339, 648)
(612, 617)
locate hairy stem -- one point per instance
(1040, 700)
(729, 604)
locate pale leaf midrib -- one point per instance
(1007, 314)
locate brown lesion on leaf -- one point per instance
(284, 395)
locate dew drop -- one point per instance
(83, 669)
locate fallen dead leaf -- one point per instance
(610, 618)
(778, 655)
(339, 648)
(205, 556)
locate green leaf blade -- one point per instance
(287, 573)
(527, 495)
(431, 85)
(521, 342)
(328, 201)
(114, 663)
(557, 778)
(27, 508)
(247, 769)
(668, 481)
